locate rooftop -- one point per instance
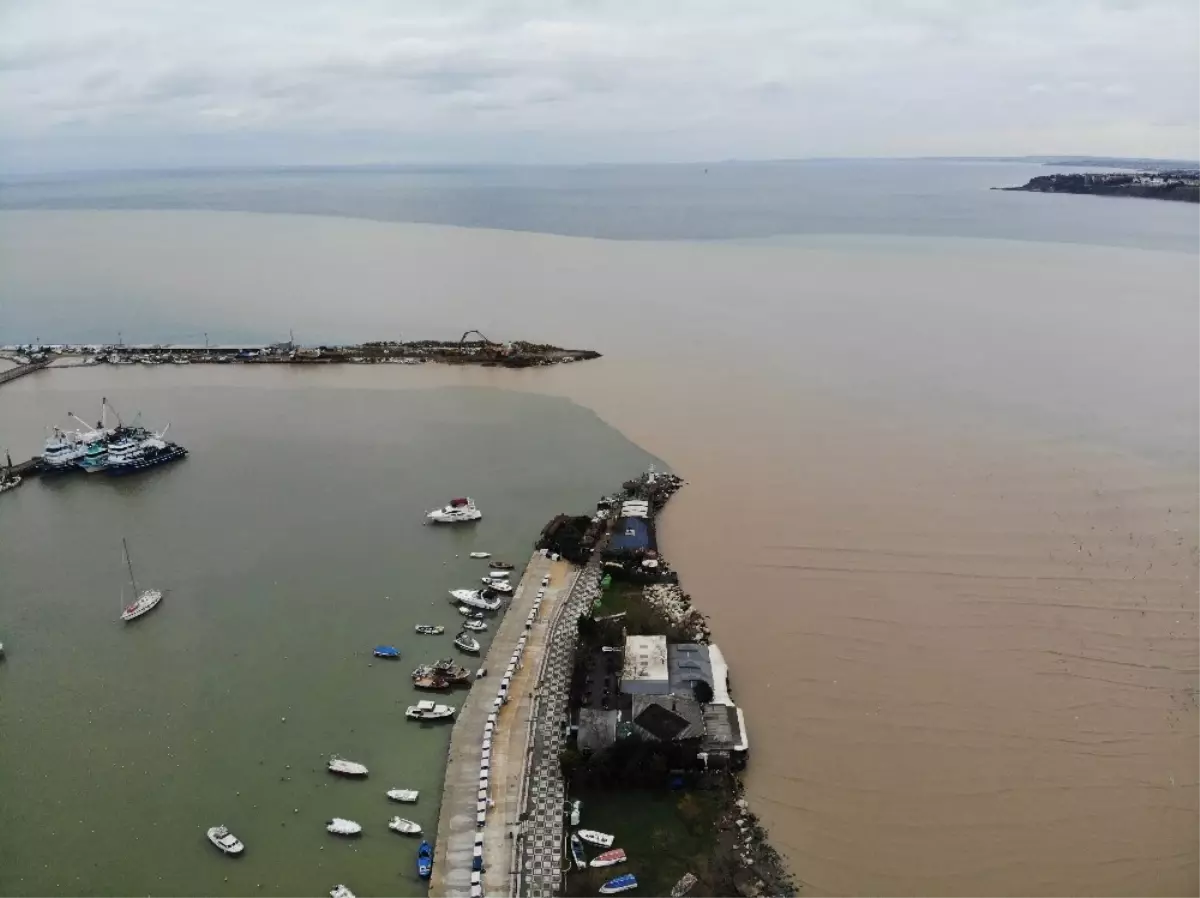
(668, 718)
(645, 659)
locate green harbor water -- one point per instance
(290, 542)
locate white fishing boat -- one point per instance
(467, 643)
(430, 629)
(481, 554)
(407, 827)
(225, 840)
(429, 710)
(144, 600)
(340, 891)
(346, 768)
(477, 598)
(459, 511)
(62, 452)
(608, 858)
(405, 795)
(592, 837)
(340, 826)
(476, 626)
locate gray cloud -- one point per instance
(120, 81)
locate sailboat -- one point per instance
(143, 601)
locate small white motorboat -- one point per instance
(592, 837)
(428, 710)
(340, 891)
(430, 629)
(478, 598)
(576, 812)
(407, 827)
(498, 585)
(459, 511)
(616, 856)
(346, 768)
(467, 643)
(481, 554)
(497, 575)
(340, 826)
(406, 795)
(476, 626)
(226, 841)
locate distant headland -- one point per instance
(1181, 185)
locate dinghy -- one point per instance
(425, 860)
(340, 891)
(604, 840)
(500, 566)
(225, 840)
(430, 629)
(476, 626)
(576, 812)
(577, 854)
(619, 884)
(502, 586)
(340, 826)
(616, 856)
(386, 651)
(346, 768)
(407, 827)
(408, 795)
(481, 554)
(466, 642)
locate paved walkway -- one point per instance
(540, 840)
(457, 829)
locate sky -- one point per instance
(157, 83)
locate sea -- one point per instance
(941, 451)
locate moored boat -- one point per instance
(684, 885)
(386, 651)
(500, 586)
(608, 858)
(485, 599)
(425, 860)
(405, 795)
(477, 626)
(577, 854)
(346, 768)
(591, 836)
(430, 629)
(427, 710)
(340, 891)
(481, 554)
(340, 826)
(459, 511)
(576, 812)
(467, 643)
(468, 613)
(405, 827)
(432, 683)
(226, 841)
(619, 884)
(500, 566)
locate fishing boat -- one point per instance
(430, 629)
(62, 452)
(481, 554)
(9, 480)
(386, 651)
(459, 511)
(405, 795)
(225, 841)
(340, 826)
(133, 452)
(485, 599)
(425, 860)
(577, 854)
(684, 885)
(476, 626)
(406, 827)
(340, 891)
(500, 566)
(427, 710)
(144, 600)
(616, 856)
(467, 643)
(619, 884)
(432, 683)
(346, 768)
(592, 837)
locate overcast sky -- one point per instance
(103, 83)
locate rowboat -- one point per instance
(622, 883)
(616, 856)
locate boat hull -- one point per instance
(145, 464)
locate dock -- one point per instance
(12, 374)
(457, 828)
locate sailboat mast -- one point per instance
(129, 562)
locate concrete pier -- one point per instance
(457, 829)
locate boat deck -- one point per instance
(457, 829)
